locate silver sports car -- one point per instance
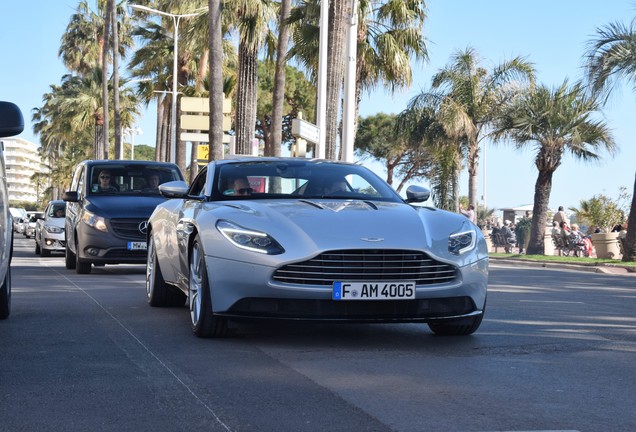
(305, 239)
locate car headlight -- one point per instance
(254, 241)
(52, 229)
(462, 241)
(94, 221)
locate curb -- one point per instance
(593, 268)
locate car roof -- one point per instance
(230, 159)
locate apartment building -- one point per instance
(22, 161)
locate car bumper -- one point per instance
(105, 248)
(53, 242)
(255, 294)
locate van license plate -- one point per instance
(137, 245)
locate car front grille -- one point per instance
(367, 265)
(128, 228)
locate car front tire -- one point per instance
(81, 267)
(158, 292)
(37, 248)
(5, 296)
(204, 323)
(69, 258)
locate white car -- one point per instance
(30, 222)
(49, 229)
(11, 124)
(313, 240)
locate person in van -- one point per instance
(104, 182)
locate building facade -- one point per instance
(22, 161)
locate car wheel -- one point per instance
(5, 296)
(204, 323)
(158, 292)
(69, 258)
(461, 327)
(46, 252)
(37, 248)
(81, 267)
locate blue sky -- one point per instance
(551, 34)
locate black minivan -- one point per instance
(108, 206)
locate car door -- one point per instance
(187, 219)
(73, 209)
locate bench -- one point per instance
(499, 240)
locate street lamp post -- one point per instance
(175, 20)
(132, 132)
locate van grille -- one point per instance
(367, 265)
(128, 228)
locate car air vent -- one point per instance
(129, 228)
(367, 265)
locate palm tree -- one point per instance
(478, 97)
(279, 78)
(389, 34)
(85, 45)
(612, 57)
(253, 18)
(554, 121)
(436, 124)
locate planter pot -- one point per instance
(487, 234)
(606, 245)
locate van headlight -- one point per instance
(94, 221)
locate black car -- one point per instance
(11, 123)
(107, 211)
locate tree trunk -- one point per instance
(246, 99)
(216, 80)
(338, 13)
(180, 151)
(629, 245)
(542, 189)
(116, 109)
(105, 97)
(98, 145)
(473, 171)
(194, 163)
(279, 80)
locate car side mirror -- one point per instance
(417, 194)
(11, 120)
(70, 196)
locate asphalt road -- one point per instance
(86, 353)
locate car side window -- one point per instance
(198, 185)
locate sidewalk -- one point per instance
(592, 267)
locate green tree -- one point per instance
(299, 96)
(610, 58)
(554, 121)
(603, 211)
(476, 98)
(378, 137)
(431, 122)
(390, 33)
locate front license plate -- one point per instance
(137, 246)
(373, 290)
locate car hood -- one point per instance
(52, 221)
(129, 206)
(310, 225)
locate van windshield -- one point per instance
(130, 179)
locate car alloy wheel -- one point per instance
(204, 323)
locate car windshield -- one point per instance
(299, 179)
(133, 179)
